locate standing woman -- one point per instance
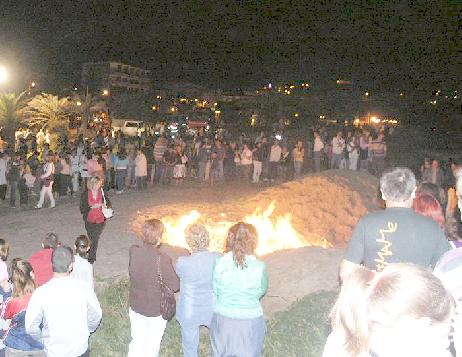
(147, 325)
(47, 181)
(239, 281)
(91, 207)
(298, 154)
(196, 302)
(121, 165)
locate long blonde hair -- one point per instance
(368, 298)
(22, 277)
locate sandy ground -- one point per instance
(326, 205)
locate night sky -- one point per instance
(387, 44)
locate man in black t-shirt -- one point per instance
(397, 234)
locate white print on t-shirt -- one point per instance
(385, 251)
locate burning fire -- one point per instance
(273, 233)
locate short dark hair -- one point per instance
(151, 231)
(51, 240)
(61, 259)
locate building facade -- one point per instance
(115, 77)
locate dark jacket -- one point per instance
(85, 207)
(144, 282)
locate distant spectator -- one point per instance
(141, 170)
(298, 155)
(63, 312)
(41, 260)
(47, 181)
(274, 160)
(338, 147)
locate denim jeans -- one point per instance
(120, 179)
(13, 190)
(159, 171)
(336, 159)
(190, 336)
(298, 169)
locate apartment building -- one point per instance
(115, 77)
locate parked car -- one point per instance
(128, 127)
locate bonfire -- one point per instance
(274, 233)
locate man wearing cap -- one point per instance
(63, 312)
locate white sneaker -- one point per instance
(38, 207)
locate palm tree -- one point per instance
(11, 114)
(50, 112)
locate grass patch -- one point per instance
(299, 331)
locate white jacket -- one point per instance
(141, 165)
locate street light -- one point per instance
(105, 92)
(79, 103)
(33, 84)
(3, 74)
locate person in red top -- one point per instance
(41, 260)
(18, 342)
(91, 207)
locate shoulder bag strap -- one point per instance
(159, 274)
(104, 197)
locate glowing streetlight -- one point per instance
(79, 103)
(367, 94)
(154, 107)
(33, 84)
(105, 92)
(296, 115)
(3, 75)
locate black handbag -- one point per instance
(167, 297)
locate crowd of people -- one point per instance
(31, 169)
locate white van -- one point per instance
(128, 127)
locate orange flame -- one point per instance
(273, 233)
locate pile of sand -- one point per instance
(324, 207)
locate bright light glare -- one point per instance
(3, 74)
(375, 120)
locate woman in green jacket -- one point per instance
(239, 281)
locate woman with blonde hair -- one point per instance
(148, 266)
(196, 301)
(400, 312)
(18, 342)
(92, 201)
(239, 281)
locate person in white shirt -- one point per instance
(75, 169)
(274, 160)
(63, 312)
(338, 146)
(47, 182)
(246, 162)
(82, 270)
(317, 151)
(141, 169)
